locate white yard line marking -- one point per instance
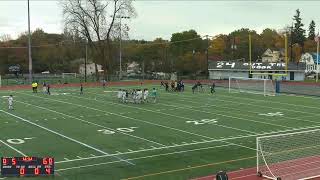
(28, 138)
(91, 123)
(79, 157)
(143, 157)
(66, 159)
(92, 155)
(11, 147)
(63, 136)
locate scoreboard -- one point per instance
(27, 166)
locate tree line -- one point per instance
(96, 25)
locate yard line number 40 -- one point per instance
(123, 130)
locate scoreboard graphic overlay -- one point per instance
(27, 166)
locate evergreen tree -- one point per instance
(312, 27)
(298, 31)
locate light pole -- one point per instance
(120, 46)
(29, 45)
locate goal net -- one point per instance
(69, 75)
(291, 156)
(251, 85)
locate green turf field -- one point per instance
(182, 136)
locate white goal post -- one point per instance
(65, 75)
(252, 85)
(290, 156)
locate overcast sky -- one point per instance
(162, 18)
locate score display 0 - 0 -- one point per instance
(27, 166)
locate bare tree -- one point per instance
(95, 20)
(5, 38)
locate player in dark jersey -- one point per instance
(213, 88)
(81, 89)
(194, 87)
(221, 175)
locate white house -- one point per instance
(271, 56)
(133, 68)
(91, 69)
(311, 61)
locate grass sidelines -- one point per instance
(165, 138)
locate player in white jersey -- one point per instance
(120, 94)
(139, 95)
(10, 102)
(145, 95)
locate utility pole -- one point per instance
(207, 52)
(291, 41)
(85, 62)
(29, 45)
(120, 45)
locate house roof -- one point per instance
(314, 57)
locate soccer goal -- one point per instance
(291, 156)
(252, 85)
(69, 75)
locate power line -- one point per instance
(83, 43)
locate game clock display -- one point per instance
(27, 166)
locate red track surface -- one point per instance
(244, 174)
(287, 170)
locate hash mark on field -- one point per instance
(66, 159)
(142, 148)
(79, 157)
(92, 155)
(28, 138)
(118, 152)
(130, 150)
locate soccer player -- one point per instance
(120, 95)
(139, 95)
(212, 88)
(194, 87)
(10, 102)
(154, 95)
(146, 93)
(221, 175)
(48, 89)
(36, 87)
(81, 89)
(104, 82)
(167, 86)
(33, 87)
(44, 88)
